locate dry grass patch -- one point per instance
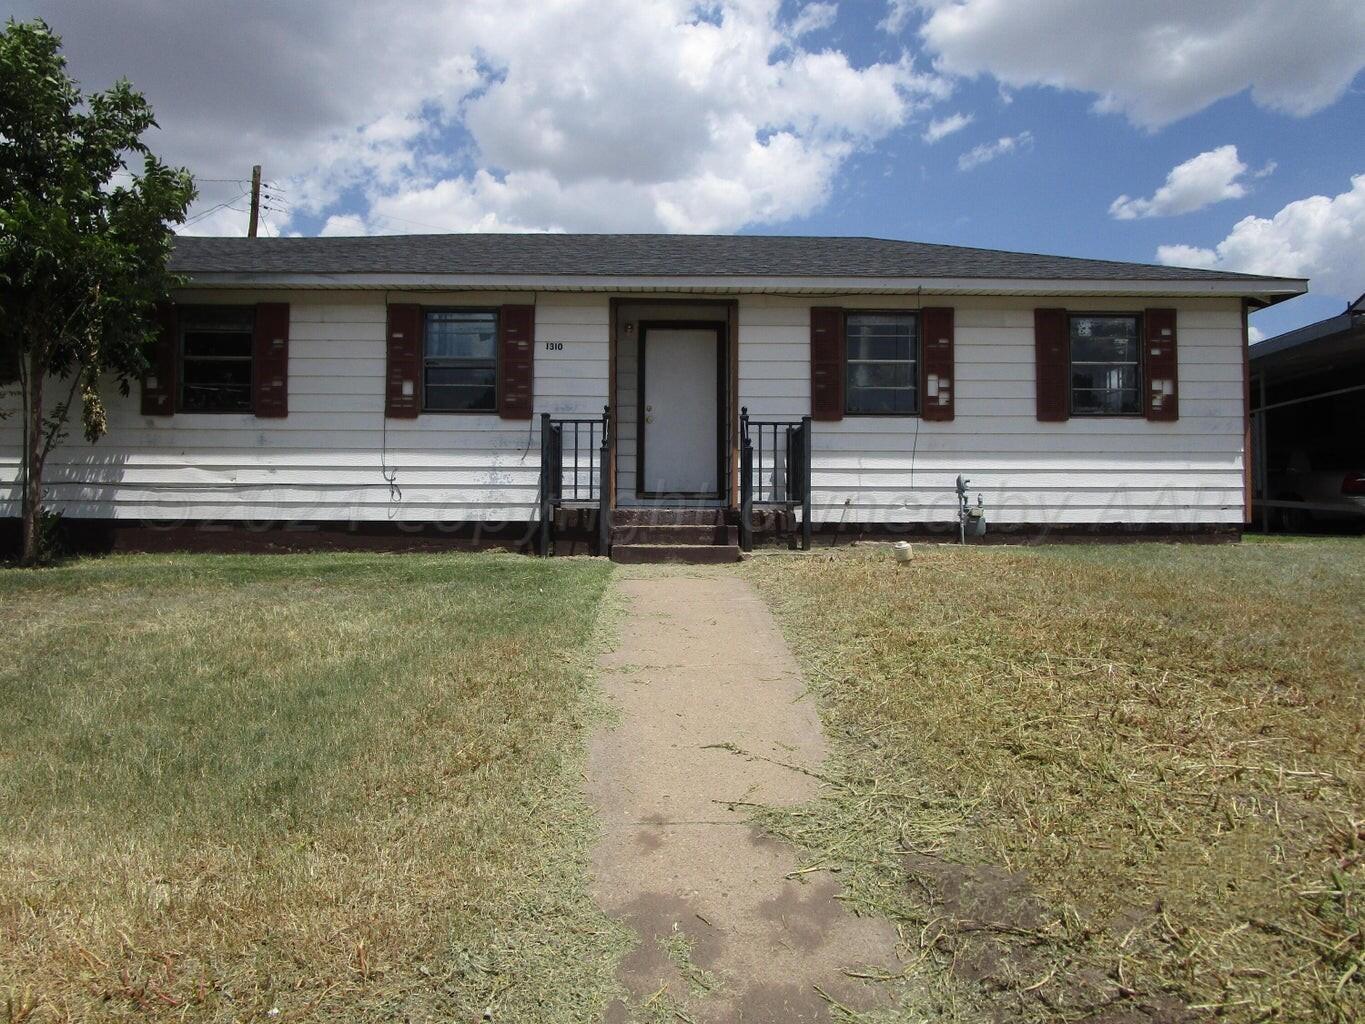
(1098, 783)
(299, 788)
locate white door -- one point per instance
(681, 413)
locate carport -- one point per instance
(1308, 421)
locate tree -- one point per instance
(84, 244)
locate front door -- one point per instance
(681, 411)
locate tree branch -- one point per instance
(56, 420)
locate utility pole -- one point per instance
(255, 201)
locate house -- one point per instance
(473, 387)
(1308, 424)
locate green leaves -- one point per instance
(84, 240)
(84, 237)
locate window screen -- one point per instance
(1106, 364)
(883, 363)
(215, 358)
(460, 365)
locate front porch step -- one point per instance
(682, 554)
(674, 534)
(646, 515)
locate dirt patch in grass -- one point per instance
(1096, 783)
(298, 788)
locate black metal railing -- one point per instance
(574, 458)
(774, 470)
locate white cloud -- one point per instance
(343, 224)
(897, 14)
(674, 123)
(678, 115)
(945, 126)
(813, 17)
(1187, 256)
(306, 89)
(988, 151)
(1254, 334)
(1157, 62)
(520, 201)
(1200, 181)
(1321, 237)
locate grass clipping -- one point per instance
(1095, 784)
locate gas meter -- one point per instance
(971, 519)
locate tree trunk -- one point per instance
(33, 460)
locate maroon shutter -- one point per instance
(403, 376)
(826, 363)
(516, 362)
(270, 358)
(159, 380)
(1161, 364)
(936, 362)
(1052, 346)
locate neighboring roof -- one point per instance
(1337, 341)
(665, 256)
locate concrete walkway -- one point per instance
(723, 933)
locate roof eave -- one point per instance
(1341, 324)
(1261, 289)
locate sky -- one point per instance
(1222, 133)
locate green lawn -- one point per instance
(298, 788)
(1095, 782)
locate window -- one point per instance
(883, 371)
(215, 358)
(1106, 361)
(460, 361)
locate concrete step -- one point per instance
(686, 554)
(648, 516)
(675, 534)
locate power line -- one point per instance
(218, 206)
(418, 223)
(213, 209)
(265, 196)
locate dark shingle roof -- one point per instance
(651, 256)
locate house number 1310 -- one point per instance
(554, 346)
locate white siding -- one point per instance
(880, 469)
(327, 460)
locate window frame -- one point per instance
(184, 317)
(916, 360)
(1136, 317)
(496, 313)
